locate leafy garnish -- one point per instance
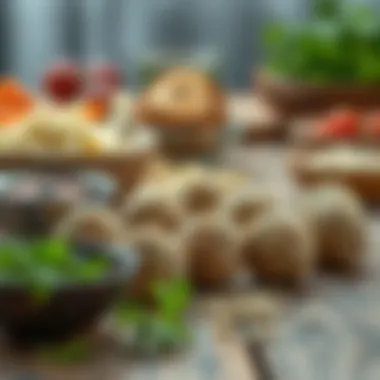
(42, 265)
(172, 297)
(165, 327)
(340, 44)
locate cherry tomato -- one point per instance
(342, 124)
(105, 73)
(63, 82)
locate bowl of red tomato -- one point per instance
(339, 126)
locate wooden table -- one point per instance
(209, 357)
(265, 164)
(228, 358)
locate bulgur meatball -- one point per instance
(152, 205)
(338, 219)
(212, 251)
(93, 224)
(278, 248)
(161, 258)
(247, 204)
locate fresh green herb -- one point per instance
(155, 331)
(172, 298)
(42, 265)
(164, 328)
(340, 44)
(69, 353)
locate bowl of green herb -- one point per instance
(331, 59)
(51, 290)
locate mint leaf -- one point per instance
(172, 297)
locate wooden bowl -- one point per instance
(295, 98)
(126, 167)
(191, 142)
(364, 181)
(72, 309)
(303, 132)
(254, 120)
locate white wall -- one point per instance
(36, 33)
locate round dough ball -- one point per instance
(230, 180)
(159, 171)
(153, 205)
(338, 219)
(244, 206)
(278, 248)
(212, 250)
(200, 194)
(91, 224)
(161, 259)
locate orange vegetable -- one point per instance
(15, 102)
(96, 109)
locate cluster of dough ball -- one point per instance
(197, 206)
(212, 226)
(226, 225)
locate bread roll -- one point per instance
(340, 226)
(152, 205)
(212, 251)
(250, 202)
(161, 259)
(230, 180)
(278, 248)
(200, 194)
(92, 223)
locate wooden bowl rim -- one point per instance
(278, 80)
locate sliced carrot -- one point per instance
(96, 110)
(15, 102)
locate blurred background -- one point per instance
(35, 32)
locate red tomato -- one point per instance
(340, 125)
(63, 82)
(105, 73)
